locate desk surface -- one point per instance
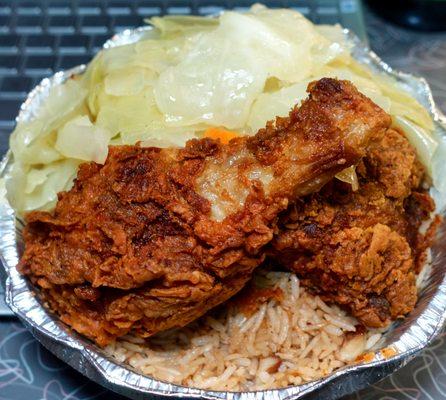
(28, 371)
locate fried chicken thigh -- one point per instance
(362, 249)
(156, 237)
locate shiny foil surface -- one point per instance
(402, 341)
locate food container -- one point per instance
(402, 342)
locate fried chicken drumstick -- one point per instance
(156, 237)
(361, 249)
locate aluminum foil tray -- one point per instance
(405, 339)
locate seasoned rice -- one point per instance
(284, 341)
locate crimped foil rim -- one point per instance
(411, 336)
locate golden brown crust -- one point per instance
(362, 249)
(156, 237)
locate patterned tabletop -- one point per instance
(26, 367)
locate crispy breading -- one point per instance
(361, 249)
(156, 237)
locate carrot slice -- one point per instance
(221, 134)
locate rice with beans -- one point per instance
(285, 339)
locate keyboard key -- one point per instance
(89, 11)
(29, 23)
(74, 44)
(145, 12)
(9, 110)
(59, 8)
(7, 126)
(127, 21)
(16, 85)
(73, 61)
(95, 24)
(5, 9)
(30, 9)
(184, 10)
(89, 7)
(59, 11)
(209, 10)
(98, 41)
(9, 44)
(62, 24)
(119, 8)
(40, 43)
(327, 9)
(40, 64)
(147, 7)
(303, 10)
(9, 64)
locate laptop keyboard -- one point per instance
(38, 38)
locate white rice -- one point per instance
(284, 342)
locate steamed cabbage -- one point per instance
(189, 74)
(71, 139)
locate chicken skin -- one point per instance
(362, 249)
(154, 238)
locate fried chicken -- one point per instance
(156, 237)
(361, 249)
